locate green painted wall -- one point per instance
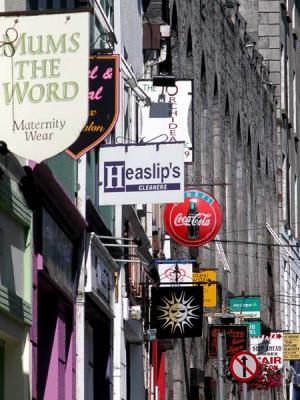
(64, 168)
(16, 298)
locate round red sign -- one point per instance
(194, 222)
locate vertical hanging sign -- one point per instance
(103, 104)
(44, 81)
(169, 116)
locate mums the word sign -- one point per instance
(46, 70)
(44, 82)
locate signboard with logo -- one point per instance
(103, 104)
(236, 339)
(167, 118)
(249, 307)
(291, 346)
(194, 222)
(176, 312)
(139, 174)
(209, 289)
(175, 271)
(268, 349)
(44, 63)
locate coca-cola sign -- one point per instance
(194, 222)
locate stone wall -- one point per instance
(235, 148)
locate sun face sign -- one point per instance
(177, 312)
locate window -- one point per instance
(297, 304)
(294, 103)
(282, 78)
(284, 189)
(296, 205)
(293, 17)
(57, 4)
(107, 7)
(286, 294)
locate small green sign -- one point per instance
(254, 328)
(249, 307)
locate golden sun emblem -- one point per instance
(177, 312)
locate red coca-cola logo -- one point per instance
(194, 222)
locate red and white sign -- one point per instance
(244, 366)
(194, 222)
(268, 349)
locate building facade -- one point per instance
(274, 27)
(75, 275)
(235, 158)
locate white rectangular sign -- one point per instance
(140, 174)
(268, 349)
(169, 116)
(44, 65)
(175, 271)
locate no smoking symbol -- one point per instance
(244, 366)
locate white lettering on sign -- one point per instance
(199, 219)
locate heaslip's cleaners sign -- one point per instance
(194, 222)
(139, 174)
(44, 65)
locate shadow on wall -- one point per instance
(139, 4)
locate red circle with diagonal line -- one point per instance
(194, 222)
(244, 366)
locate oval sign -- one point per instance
(194, 222)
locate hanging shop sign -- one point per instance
(176, 312)
(268, 349)
(140, 174)
(291, 346)
(194, 222)
(249, 307)
(236, 339)
(175, 271)
(103, 104)
(167, 117)
(209, 289)
(44, 82)
(254, 328)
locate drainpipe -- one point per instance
(162, 57)
(80, 295)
